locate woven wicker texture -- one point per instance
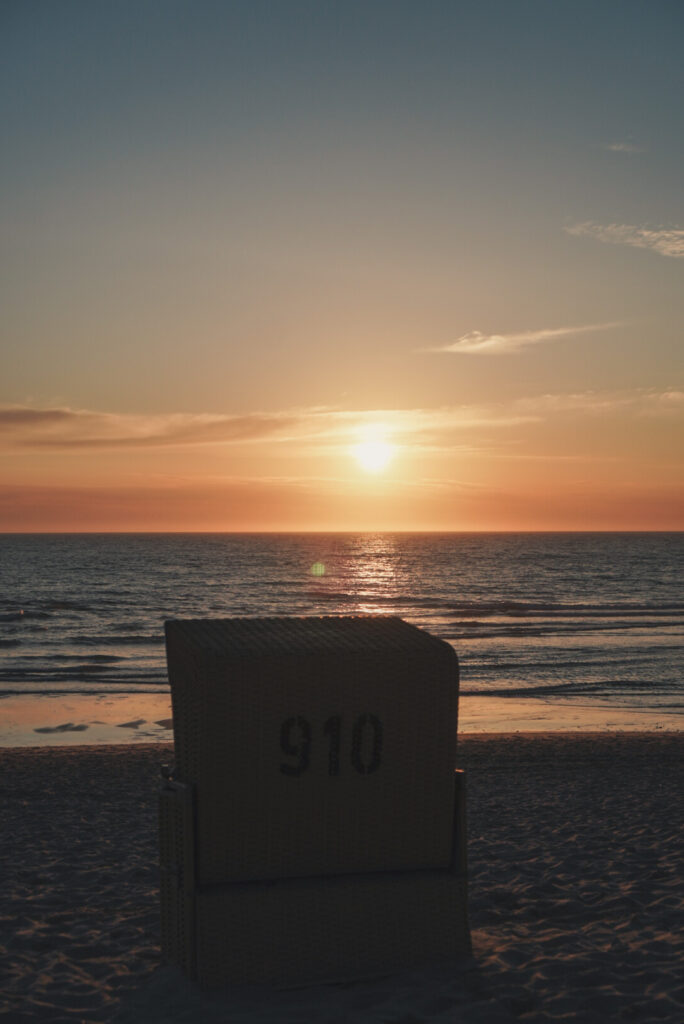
(306, 930)
(315, 746)
(303, 931)
(176, 876)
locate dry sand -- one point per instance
(577, 895)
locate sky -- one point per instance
(378, 265)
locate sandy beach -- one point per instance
(576, 892)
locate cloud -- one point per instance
(83, 428)
(638, 402)
(666, 241)
(315, 430)
(23, 416)
(477, 343)
(623, 147)
(64, 429)
(663, 403)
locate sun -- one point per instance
(373, 455)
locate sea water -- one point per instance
(572, 619)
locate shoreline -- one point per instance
(576, 894)
(132, 719)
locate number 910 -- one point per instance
(365, 753)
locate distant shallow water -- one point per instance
(565, 620)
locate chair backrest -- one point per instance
(315, 746)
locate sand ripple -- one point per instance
(577, 898)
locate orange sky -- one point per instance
(584, 462)
(455, 230)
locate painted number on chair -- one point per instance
(361, 746)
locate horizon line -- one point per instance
(263, 533)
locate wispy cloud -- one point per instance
(22, 427)
(317, 430)
(84, 428)
(666, 241)
(637, 402)
(478, 343)
(623, 147)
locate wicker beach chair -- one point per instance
(314, 826)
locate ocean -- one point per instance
(585, 619)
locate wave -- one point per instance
(509, 608)
(97, 658)
(21, 615)
(62, 605)
(576, 610)
(576, 688)
(366, 597)
(114, 641)
(78, 675)
(535, 631)
(555, 664)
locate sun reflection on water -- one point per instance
(362, 573)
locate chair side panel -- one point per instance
(177, 875)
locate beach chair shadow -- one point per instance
(313, 828)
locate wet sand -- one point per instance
(576, 892)
(70, 719)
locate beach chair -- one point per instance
(313, 827)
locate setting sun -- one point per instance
(374, 455)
